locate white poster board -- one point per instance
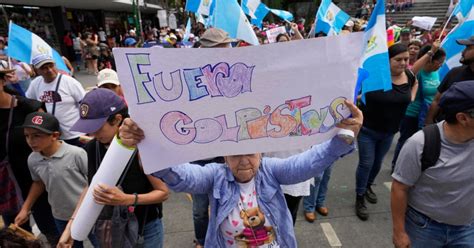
(172, 22)
(162, 18)
(274, 32)
(424, 22)
(199, 103)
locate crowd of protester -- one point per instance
(57, 134)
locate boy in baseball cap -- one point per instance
(101, 114)
(55, 166)
(100, 109)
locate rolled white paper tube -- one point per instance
(109, 172)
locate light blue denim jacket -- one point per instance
(218, 182)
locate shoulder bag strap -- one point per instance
(432, 146)
(97, 155)
(10, 120)
(127, 168)
(56, 91)
(147, 207)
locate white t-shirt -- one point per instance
(246, 225)
(70, 93)
(20, 72)
(299, 189)
(76, 43)
(102, 36)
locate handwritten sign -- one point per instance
(274, 32)
(200, 103)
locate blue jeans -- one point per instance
(426, 232)
(373, 146)
(153, 234)
(61, 225)
(317, 193)
(200, 216)
(408, 127)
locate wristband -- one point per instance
(131, 208)
(430, 53)
(136, 199)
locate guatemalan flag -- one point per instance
(462, 10)
(463, 30)
(330, 19)
(256, 10)
(24, 45)
(203, 7)
(375, 72)
(285, 15)
(188, 30)
(230, 17)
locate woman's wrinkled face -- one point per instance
(399, 63)
(243, 167)
(414, 50)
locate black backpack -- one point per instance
(432, 146)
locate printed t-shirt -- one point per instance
(246, 225)
(428, 83)
(67, 99)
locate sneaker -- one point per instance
(310, 216)
(360, 208)
(370, 195)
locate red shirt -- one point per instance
(67, 41)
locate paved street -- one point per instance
(340, 229)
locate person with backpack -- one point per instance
(101, 114)
(433, 181)
(383, 112)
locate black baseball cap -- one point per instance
(42, 121)
(458, 98)
(466, 42)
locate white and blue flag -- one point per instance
(285, 15)
(330, 19)
(24, 45)
(229, 16)
(463, 30)
(463, 9)
(187, 31)
(256, 10)
(375, 72)
(203, 7)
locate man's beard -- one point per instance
(465, 61)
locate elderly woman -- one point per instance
(247, 204)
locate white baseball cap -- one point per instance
(107, 76)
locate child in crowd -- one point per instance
(55, 166)
(102, 113)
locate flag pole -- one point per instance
(447, 22)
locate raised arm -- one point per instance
(191, 178)
(313, 162)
